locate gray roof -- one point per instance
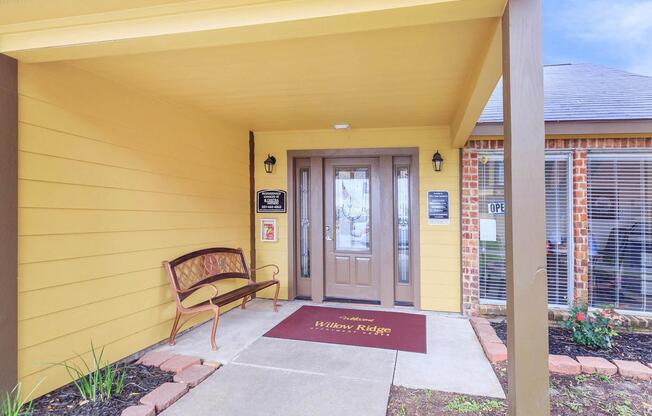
(575, 92)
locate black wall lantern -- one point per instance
(437, 161)
(269, 163)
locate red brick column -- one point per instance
(470, 233)
(580, 224)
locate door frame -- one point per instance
(385, 156)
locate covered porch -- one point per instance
(135, 132)
(298, 377)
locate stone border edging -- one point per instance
(189, 372)
(496, 352)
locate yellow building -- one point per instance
(143, 127)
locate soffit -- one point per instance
(406, 76)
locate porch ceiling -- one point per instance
(281, 65)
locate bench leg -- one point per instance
(175, 328)
(244, 302)
(216, 319)
(278, 287)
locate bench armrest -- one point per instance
(274, 273)
(194, 288)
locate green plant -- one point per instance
(623, 409)
(594, 329)
(581, 378)
(461, 405)
(98, 380)
(573, 406)
(13, 405)
(602, 377)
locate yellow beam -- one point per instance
(204, 23)
(481, 84)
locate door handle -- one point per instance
(327, 233)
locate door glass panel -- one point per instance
(402, 178)
(304, 218)
(352, 215)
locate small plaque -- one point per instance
(271, 201)
(438, 208)
(268, 230)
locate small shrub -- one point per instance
(593, 329)
(98, 380)
(12, 404)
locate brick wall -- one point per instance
(470, 214)
(470, 233)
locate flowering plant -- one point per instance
(594, 329)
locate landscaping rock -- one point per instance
(489, 337)
(563, 364)
(477, 321)
(165, 395)
(142, 410)
(592, 365)
(179, 363)
(485, 330)
(215, 364)
(194, 375)
(495, 352)
(155, 358)
(633, 369)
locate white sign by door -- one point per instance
(496, 208)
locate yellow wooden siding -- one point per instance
(440, 244)
(112, 182)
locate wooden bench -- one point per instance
(203, 268)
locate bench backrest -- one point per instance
(207, 266)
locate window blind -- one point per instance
(491, 199)
(491, 187)
(620, 243)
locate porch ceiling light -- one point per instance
(437, 161)
(341, 126)
(269, 163)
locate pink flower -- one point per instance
(580, 317)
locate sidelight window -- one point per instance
(402, 186)
(304, 221)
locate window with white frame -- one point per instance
(558, 188)
(620, 230)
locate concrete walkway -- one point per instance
(269, 376)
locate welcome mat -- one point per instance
(364, 328)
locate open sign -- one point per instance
(496, 207)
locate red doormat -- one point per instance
(365, 328)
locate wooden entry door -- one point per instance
(352, 218)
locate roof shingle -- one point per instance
(587, 92)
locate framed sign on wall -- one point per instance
(268, 230)
(270, 200)
(438, 208)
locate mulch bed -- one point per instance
(66, 400)
(582, 395)
(628, 346)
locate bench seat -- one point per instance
(239, 293)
